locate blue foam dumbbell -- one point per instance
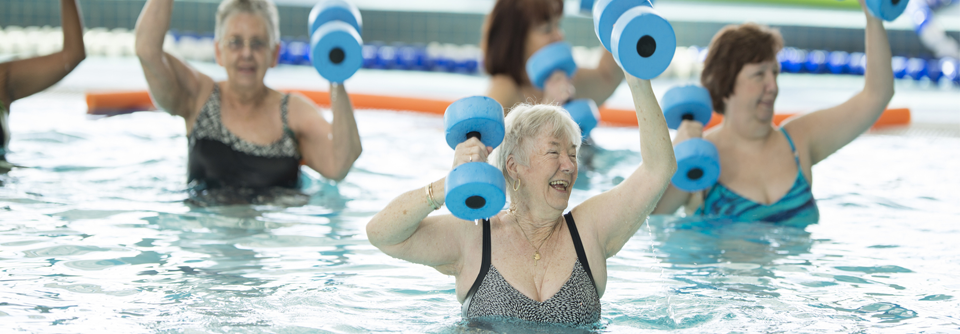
(698, 162)
(642, 42)
(559, 57)
(335, 43)
(585, 113)
(474, 190)
(887, 10)
(551, 58)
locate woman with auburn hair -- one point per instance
(25, 77)
(765, 170)
(514, 31)
(242, 134)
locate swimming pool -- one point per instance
(94, 236)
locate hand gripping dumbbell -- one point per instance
(335, 43)
(559, 57)
(474, 190)
(698, 162)
(641, 41)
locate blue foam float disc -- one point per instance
(334, 10)
(479, 114)
(585, 113)
(586, 6)
(689, 101)
(698, 165)
(887, 10)
(549, 59)
(643, 42)
(336, 51)
(475, 190)
(607, 12)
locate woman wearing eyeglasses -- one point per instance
(243, 134)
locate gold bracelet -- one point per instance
(428, 189)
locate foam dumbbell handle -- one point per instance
(698, 165)
(643, 42)
(334, 10)
(689, 102)
(479, 116)
(887, 10)
(607, 12)
(336, 51)
(475, 190)
(549, 59)
(585, 113)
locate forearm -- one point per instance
(671, 200)
(152, 26)
(400, 219)
(655, 146)
(878, 77)
(70, 20)
(346, 137)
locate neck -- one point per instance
(246, 96)
(746, 133)
(536, 227)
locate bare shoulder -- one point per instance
(504, 90)
(300, 109)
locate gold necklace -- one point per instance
(536, 252)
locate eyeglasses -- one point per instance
(255, 44)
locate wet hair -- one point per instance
(504, 34)
(263, 8)
(523, 124)
(731, 48)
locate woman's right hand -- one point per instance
(688, 129)
(471, 150)
(558, 89)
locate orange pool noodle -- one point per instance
(117, 102)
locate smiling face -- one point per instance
(541, 35)
(551, 170)
(754, 92)
(245, 50)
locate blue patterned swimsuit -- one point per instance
(796, 207)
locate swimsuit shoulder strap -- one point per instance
(484, 266)
(796, 157)
(578, 245)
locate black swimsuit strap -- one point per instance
(484, 266)
(578, 245)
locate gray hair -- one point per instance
(525, 122)
(263, 8)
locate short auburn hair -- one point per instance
(731, 48)
(505, 31)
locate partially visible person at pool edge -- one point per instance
(514, 31)
(25, 77)
(241, 132)
(766, 171)
(533, 262)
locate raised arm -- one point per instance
(617, 213)
(826, 131)
(329, 149)
(404, 231)
(598, 83)
(173, 84)
(673, 198)
(22, 78)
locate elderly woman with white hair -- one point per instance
(243, 134)
(533, 262)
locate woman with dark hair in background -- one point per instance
(766, 171)
(25, 77)
(514, 31)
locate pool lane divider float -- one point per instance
(113, 103)
(476, 189)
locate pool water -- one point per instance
(95, 236)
